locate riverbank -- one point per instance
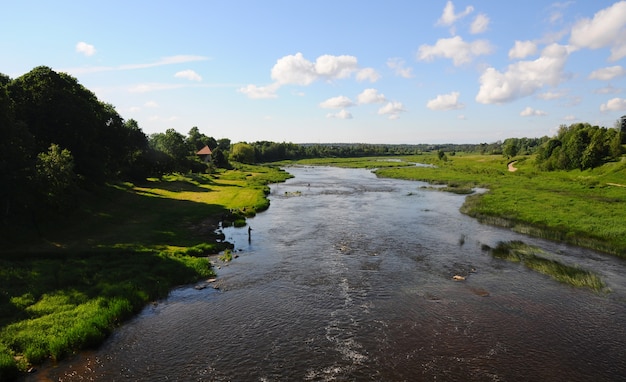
(583, 208)
(129, 245)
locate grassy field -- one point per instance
(98, 266)
(584, 208)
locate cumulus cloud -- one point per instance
(399, 68)
(607, 28)
(86, 49)
(522, 49)
(606, 74)
(367, 74)
(343, 114)
(480, 24)
(614, 104)
(445, 102)
(529, 111)
(188, 75)
(337, 103)
(392, 109)
(454, 48)
(523, 78)
(259, 92)
(297, 70)
(371, 96)
(449, 17)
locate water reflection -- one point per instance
(349, 277)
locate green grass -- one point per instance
(536, 259)
(95, 268)
(584, 208)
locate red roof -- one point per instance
(204, 151)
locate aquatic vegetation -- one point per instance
(536, 259)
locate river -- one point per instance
(349, 277)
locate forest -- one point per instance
(59, 139)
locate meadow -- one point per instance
(128, 245)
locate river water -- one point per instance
(349, 277)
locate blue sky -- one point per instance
(334, 71)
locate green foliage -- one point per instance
(536, 259)
(227, 256)
(55, 175)
(242, 152)
(580, 146)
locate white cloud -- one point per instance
(337, 103)
(331, 67)
(607, 28)
(615, 104)
(370, 96)
(606, 74)
(445, 102)
(455, 48)
(171, 60)
(151, 104)
(523, 49)
(480, 24)
(523, 78)
(297, 70)
(552, 95)
(150, 87)
(86, 49)
(461, 117)
(449, 17)
(529, 111)
(556, 11)
(392, 109)
(260, 92)
(607, 90)
(367, 74)
(398, 66)
(343, 114)
(189, 75)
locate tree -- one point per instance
(196, 140)
(510, 147)
(55, 175)
(242, 152)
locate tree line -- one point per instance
(58, 138)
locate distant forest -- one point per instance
(59, 139)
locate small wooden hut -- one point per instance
(205, 154)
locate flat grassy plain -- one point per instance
(583, 208)
(90, 270)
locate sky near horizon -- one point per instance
(366, 71)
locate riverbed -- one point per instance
(350, 277)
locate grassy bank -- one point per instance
(90, 270)
(584, 208)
